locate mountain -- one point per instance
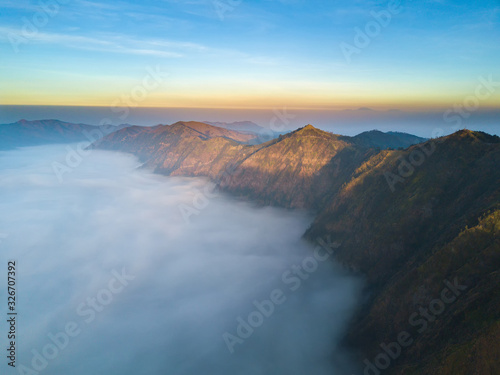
(262, 135)
(297, 170)
(381, 140)
(184, 148)
(210, 131)
(420, 224)
(32, 133)
(413, 222)
(241, 126)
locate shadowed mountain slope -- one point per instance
(409, 220)
(381, 140)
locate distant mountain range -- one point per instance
(33, 133)
(378, 139)
(248, 127)
(420, 219)
(242, 126)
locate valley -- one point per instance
(412, 216)
(408, 220)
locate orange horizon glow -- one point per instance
(256, 103)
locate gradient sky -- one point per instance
(259, 54)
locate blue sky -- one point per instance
(258, 54)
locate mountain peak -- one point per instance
(210, 131)
(306, 129)
(310, 130)
(472, 135)
(379, 139)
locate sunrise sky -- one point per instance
(248, 54)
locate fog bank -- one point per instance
(112, 280)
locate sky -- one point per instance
(303, 54)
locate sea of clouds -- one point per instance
(110, 279)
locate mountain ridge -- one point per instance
(39, 132)
(407, 239)
(409, 219)
(378, 139)
(242, 126)
(401, 216)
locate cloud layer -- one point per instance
(111, 279)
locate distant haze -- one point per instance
(190, 281)
(346, 122)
